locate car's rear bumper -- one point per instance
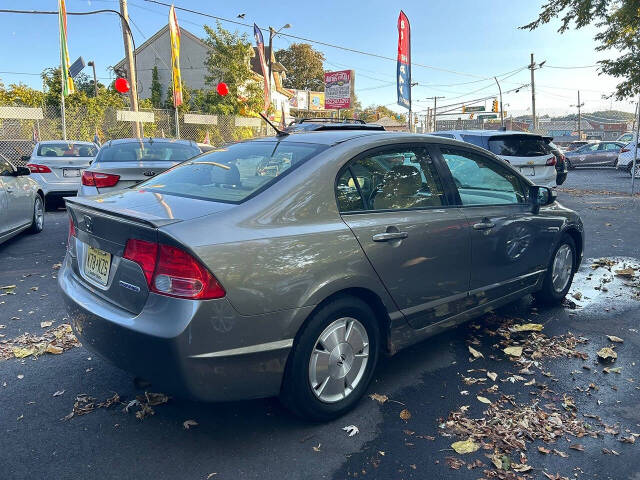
(201, 350)
(50, 186)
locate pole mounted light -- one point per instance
(273, 33)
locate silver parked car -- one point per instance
(21, 201)
(598, 154)
(57, 165)
(288, 265)
(125, 162)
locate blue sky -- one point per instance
(475, 39)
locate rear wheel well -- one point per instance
(372, 300)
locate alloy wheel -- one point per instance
(561, 268)
(38, 213)
(338, 360)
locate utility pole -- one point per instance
(634, 166)
(501, 109)
(131, 70)
(579, 105)
(435, 106)
(533, 67)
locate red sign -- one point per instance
(338, 89)
(404, 61)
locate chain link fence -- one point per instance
(19, 135)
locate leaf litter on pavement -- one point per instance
(141, 405)
(53, 341)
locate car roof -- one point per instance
(120, 141)
(488, 133)
(70, 142)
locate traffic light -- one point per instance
(464, 109)
(495, 106)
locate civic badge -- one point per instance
(149, 173)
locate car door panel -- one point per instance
(393, 201)
(426, 268)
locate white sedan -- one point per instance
(625, 159)
(21, 201)
(57, 166)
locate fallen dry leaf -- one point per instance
(317, 449)
(54, 349)
(577, 446)
(527, 327)
(607, 353)
(513, 351)
(617, 370)
(20, 352)
(351, 430)
(614, 339)
(378, 398)
(483, 399)
(58, 393)
(45, 324)
(492, 375)
(475, 353)
(405, 414)
(543, 450)
(625, 272)
(465, 446)
(187, 424)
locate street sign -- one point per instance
(76, 67)
(487, 115)
(338, 89)
(478, 108)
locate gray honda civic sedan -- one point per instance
(287, 265)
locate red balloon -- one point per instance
(122, 85)
(222, 89)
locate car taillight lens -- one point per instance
(35, 168)
(99, 180)
(551, 161)
(173, 272)
(72, 231)
(624, 150)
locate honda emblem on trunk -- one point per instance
(88, 225)
(149, 173)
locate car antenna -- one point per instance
(279, 133)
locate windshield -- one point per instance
(67, 150)
(518, 146)
(147, 151)
(234, 173)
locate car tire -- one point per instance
(559, 274)
(37, 222)
(328, 370)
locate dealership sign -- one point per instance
(338, 89)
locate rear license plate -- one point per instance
(97, 265)
(528, 171)
(70, 172)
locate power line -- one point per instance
(572, 68)
(318, 42)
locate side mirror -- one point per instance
(22, 171)
(541, 196)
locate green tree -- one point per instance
(186, 99)
(304, 64)
(619, 31)
(156, 88)
(20, 94)
(229, 62)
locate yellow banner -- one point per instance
(174, 32)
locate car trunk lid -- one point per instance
(104, 224)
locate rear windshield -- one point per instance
(234, 173)
(141, 151)
(67, 150)
(518, 146)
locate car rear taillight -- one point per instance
(173, 272)
(624, 150)
(551, 161)
(99, 180)
(35, 168)
(72, 231)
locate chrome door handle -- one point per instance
(483, 225)
(388, 236)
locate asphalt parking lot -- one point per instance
(430, 381)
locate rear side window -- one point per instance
(141, 151)
(234, 173)
(518, 146)
(397, 178)
(66, 150)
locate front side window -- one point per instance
(5, 168)
(147, 151)
(66, 150)
(391, 179)
(610, 147)
(482, 181)
(590, 147)
(233, 173)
